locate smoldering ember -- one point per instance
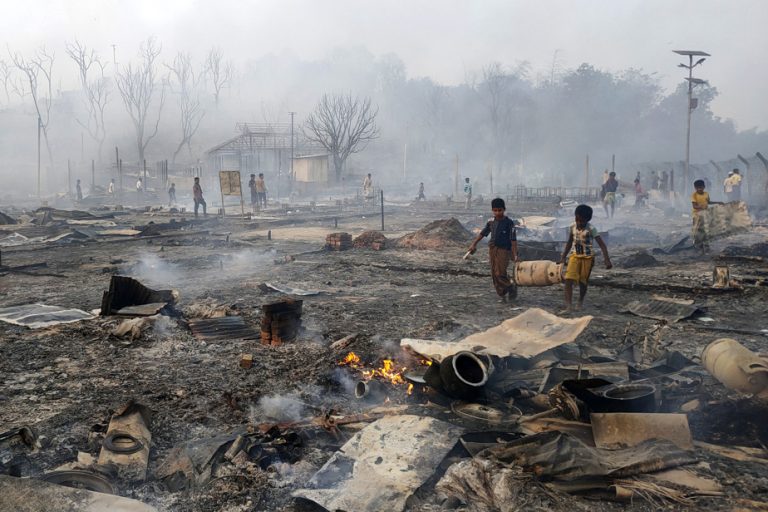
(260, 266)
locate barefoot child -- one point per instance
(581, 238)
(502, 247)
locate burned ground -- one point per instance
(66, 380)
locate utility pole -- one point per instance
(692, 103)
(291, 175)
(586, 175)
(39, 128)
(405, 159)
(114, 56)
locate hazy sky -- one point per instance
(438, 38)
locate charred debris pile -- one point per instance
(523, 412)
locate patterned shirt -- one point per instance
(502, 232)
(583, 239)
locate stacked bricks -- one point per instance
(338, 241)
(280, 321)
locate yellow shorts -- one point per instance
(579, 268)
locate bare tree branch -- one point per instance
(6, 73)
(191, 113)
(343, 125)
(219, 72)
(38, 73)
(95, 90)
(137, 86)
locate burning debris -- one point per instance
(370, 386)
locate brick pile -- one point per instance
(280, 321)
(338, 241)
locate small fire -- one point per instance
(352, 360)
(388, 372)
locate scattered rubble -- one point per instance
(32, 495)
(370, 240)
(436, 235)
(382, 465)
(639, 259)
(37, 316)
(496, 408)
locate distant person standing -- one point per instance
(172, 195)
(261, 191)
(728, 186)
(736, 185)
(197, 194)
(79, 191)
(639, 194)
(700, 202)
(139, 188)
(664, 184)
(368, 187)
(421, 195)
(111, 188)
(467, 193)
(609, 193)
(254, 194)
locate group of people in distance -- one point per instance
(579, 252)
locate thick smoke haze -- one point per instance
(520, 91)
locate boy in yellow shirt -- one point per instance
(700, 201)
(582, 235)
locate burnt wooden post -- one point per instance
(747, 175)
(382, 210)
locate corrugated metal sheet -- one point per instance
(222, 329)
(660, 310)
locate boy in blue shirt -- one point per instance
(502, 248)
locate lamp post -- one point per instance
(692, 102)
(290, 178)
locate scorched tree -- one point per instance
(343, 125)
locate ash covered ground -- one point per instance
(67, 380)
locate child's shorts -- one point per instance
(579, 268)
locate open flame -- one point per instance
(352, 360)
(388, 371)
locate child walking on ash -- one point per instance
(501, 248)
(582, 236)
